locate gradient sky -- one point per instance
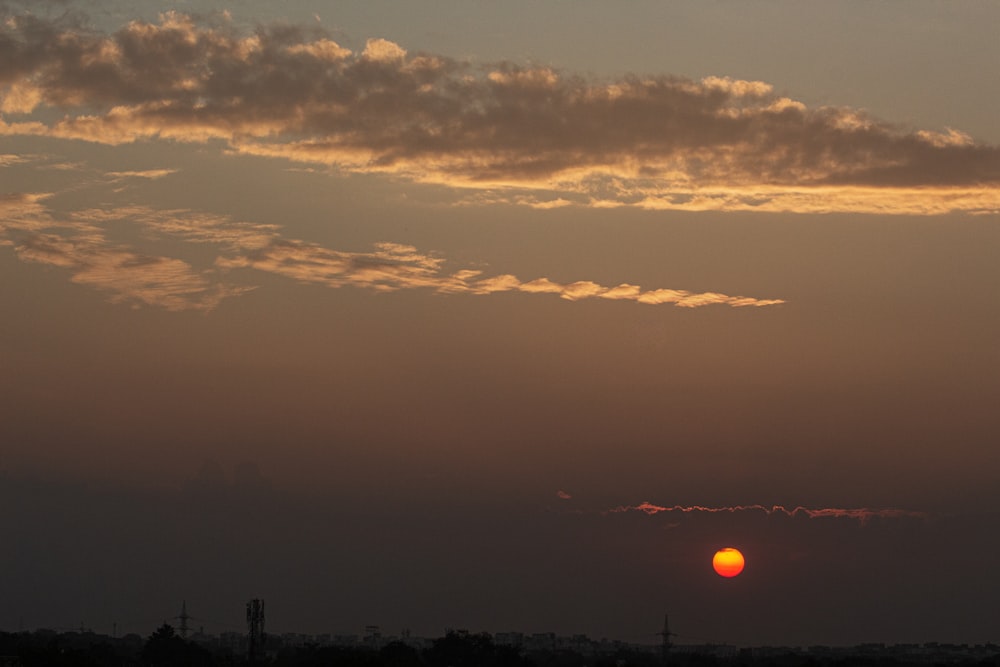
(502, 316)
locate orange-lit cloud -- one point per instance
(390, 267)
(84, 243)
(862, 514)
(149, 174)
(184, 224)
(17, 206)
(81, 244)
(21, 213)
(534, 136)
(7, 159)
(129, 277)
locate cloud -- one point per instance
(128, 276)
(8, 159)
(863, 514)
(82, 242)
(383, 51)
(79, 243)
(149, 174)
(186, 225)
(530, 135)
(23, 211)
(391, 267)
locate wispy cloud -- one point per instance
(393, 266)
(148, 174)
(8, 159)
(84, 243)
(23, 212)
(533, 135)
(81, 244)
(862, 514)
(185, 225)
(129, 277)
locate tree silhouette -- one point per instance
(398, 654)
(165, 649)
(470, 650)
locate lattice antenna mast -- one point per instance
(184, 618)
(666, 634)
(255, 629)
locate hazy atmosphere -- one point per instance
(502, 316)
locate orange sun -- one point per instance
(728, 562)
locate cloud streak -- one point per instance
(393, 266)
(526, 135)
(128, 276)
(862, 514)
(148, 174)
(82, 242)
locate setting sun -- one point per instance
(728, 562)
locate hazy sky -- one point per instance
(502, 316)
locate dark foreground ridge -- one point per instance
(47, 648)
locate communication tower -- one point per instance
(184, 618)
(667, 644)
(255, 629)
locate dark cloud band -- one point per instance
(527, 135)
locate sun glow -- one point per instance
(728, 562)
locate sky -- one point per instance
(502, 316)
